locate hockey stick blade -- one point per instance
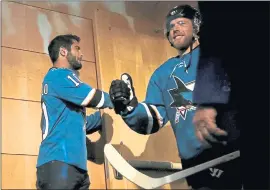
(146, 182)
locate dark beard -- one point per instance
(73, 62)
(185, 45)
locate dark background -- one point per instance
(238, 34)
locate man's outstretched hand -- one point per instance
(206, 128)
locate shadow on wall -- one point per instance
(96, 154)
(95, 149)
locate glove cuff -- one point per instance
(130, 107)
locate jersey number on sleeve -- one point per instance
(74, 79)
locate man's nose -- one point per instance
(176, 27)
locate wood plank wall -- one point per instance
(113, 36)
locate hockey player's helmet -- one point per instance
(185, 11)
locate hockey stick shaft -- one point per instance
(144, 181)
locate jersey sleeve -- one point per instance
(149, 116)
(93, 122)
(69, 87)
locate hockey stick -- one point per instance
(146, 182)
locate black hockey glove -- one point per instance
(122, 95)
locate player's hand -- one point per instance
(206, 128)
(122, 95)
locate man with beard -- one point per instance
(169, 98)
(62, 159)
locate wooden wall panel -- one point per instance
(139, 54)
(82, 9)
(21, 127)
(96, 174)
(86, 9)
(19, 172)
(31, 28)
(23, 73)
(155, 11)
(1, 133)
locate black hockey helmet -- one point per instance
(185, 11)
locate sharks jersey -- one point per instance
(64, 122)
(169, 98)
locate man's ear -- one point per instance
(63, 52)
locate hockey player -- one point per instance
(169, 98)
(62, 159)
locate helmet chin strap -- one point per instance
(190, 60)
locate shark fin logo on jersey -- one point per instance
(181, 98)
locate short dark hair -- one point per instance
(65, 41)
